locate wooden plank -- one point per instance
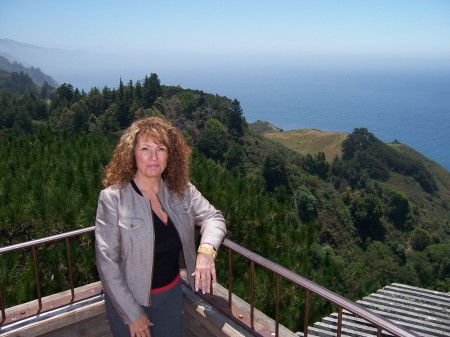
(66, 324)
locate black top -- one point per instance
(167, 250)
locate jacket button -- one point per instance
(131, 225)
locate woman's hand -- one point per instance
(140, 327)
(205, 272)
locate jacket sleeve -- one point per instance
(208, 218)
(109, 259)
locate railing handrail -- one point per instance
(47, 239)
(343, 303)
(337, 299)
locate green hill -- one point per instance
(347, 211)
(431, 211)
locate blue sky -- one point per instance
(196, 43)
(295, 63)
(211, 28)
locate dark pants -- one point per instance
(165, 314)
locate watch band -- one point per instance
(207, 250)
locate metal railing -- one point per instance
(379, 322)
(33, 246)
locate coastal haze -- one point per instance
(335, 67)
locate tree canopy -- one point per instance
(344, 224)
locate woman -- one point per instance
(145, 225)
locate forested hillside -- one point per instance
(35, 74)
(375, 216)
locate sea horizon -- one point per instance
(411, 107)
(407, 104)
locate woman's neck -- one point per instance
(148, 186)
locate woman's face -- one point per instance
(151, 158)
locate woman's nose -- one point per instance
(153, 154)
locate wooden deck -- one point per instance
(421, 310)
(203, 315)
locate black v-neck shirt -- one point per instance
(167, 250)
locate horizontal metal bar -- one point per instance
(46, 240)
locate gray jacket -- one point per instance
(124, 241)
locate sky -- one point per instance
(234, 30)
(244, 49)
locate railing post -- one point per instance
(305, 325)
(36, 276)
(379, 332)
(230, 288)
(339, 323)
(277, 307)
(2, 304)
(252, 295)
(69, 263)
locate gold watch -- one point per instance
(207, 250)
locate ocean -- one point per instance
(409, 105)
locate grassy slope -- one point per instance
(310, 141)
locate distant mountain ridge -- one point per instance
(29, 54)
(61, 64)
(34, 73)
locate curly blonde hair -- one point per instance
(122, 167)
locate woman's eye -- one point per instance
(162, 149)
